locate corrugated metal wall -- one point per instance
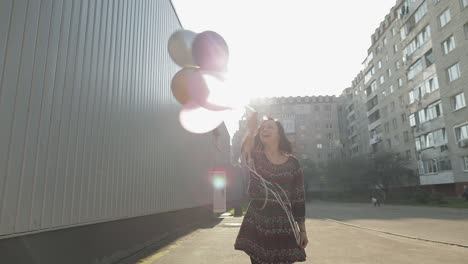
(89, 131)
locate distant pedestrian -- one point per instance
(465, 193)
(376, 198)
(375, 201)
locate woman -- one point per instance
(266, 234)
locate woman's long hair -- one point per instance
(284, 145)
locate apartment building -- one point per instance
(414, 84)
(310, 122)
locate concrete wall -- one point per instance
(89, 129)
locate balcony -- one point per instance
(425, 101)
(429, 126)
(443, 177)
(375, 139)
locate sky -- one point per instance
(289, 48)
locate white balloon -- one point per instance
(180, 47)
(199, 120)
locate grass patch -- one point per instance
(447, 202)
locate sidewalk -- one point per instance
(330, 242)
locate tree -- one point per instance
(389, 170)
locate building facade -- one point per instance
(93, 161)
(413, 84)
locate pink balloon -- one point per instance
(210, 51)
(199, 120)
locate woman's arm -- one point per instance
(249, 138)
(298, 197)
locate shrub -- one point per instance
(421, 196)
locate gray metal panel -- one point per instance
(89, 128)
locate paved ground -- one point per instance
(333, 240)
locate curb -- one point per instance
(396, 234)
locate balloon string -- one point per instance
(285, 205)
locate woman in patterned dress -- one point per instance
(266, 234)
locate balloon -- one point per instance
(180, 47)
(199, 120)
(188, 84)
(210, 52)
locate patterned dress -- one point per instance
(266, 234)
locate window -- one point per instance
(369, 74)
(384, 41)
(327, 107)
(431, 84)
(395, 125)
(403, 118)
(406, 136)
(427, 86)
(429, 58)
(448, 44)
(389, 72)
(453, 72)
(319, 146)
(421, 12)
(397, 65)
(382, 79)
(430, 166)
(412, 120)
(417, 42)
(444, 164)
(379, 64)
(374, 86)
(389, 143)
(356, 149)
(422, 116)
(432, 139)
(444, 18)
(400, 82)
(384, 93)
(439, 137)
(391, 88)
(465, 163)
(461, 132)
(433, 111)
(458, 101)
(436, 165)
(329, 136)
(395, 48)
(387, 127)
(392, 106)
(415, 69)
(374, 117)
(394, 31)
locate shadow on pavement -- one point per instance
(169, 239)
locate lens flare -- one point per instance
(199, 120)
(219, 182)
